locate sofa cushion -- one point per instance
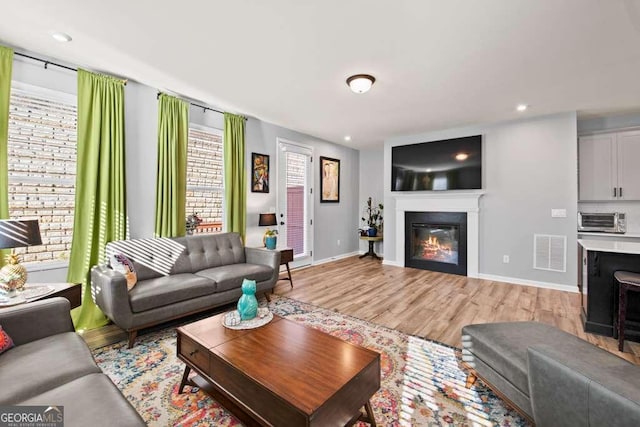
(5, 341)
(208, 251)
(40, 365)
(91, 400)
(167, 290)
(503, 346)
(231, 276)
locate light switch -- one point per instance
(558, 213)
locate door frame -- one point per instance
(281, 144)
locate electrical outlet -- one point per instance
(338, 242)
(505, 259)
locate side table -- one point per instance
(371, 241)
(70, 291)
(286, 256)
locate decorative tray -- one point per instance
(29, 293)
(232, 320)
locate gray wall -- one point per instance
(371, 185)
(529, 167)
(332, 222)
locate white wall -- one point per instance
(529, 167)
(612, 122)
(371, 185)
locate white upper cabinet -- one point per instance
(609, 166)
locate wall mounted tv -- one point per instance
(452, 164)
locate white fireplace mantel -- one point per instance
(457, 201)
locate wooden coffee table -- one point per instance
(281, 374)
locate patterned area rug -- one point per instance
(422, 383)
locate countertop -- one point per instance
(617, 246)
(616, 235)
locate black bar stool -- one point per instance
(627, 281)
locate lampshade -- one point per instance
(267, 219)
(17, 234)
(360, 83)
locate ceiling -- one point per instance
(438, 63)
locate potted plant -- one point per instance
(373, 217)
(271, 238)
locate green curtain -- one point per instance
(171, 182)
(235, 192)
(6, 65)
(100, 206)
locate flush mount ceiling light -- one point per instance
(522, 107)
(360, 83)
(61, 37)
(462, 156)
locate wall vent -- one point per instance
(550, 252)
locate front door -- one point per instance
(295, 204)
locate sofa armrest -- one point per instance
(266, 257)
(582, 388)
(110, 293)
(35, 320)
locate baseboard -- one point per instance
(391, 262)
(526, 282)
(334, 258)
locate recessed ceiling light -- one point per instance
(428, 169)
(360, 83)
(61, 37)
(347, 138)
(522, 107)
(462, 156)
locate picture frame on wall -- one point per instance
(259, 173)
(329, 180)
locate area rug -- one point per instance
(422, 383)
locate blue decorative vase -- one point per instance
(248, 304)
(270, 242)
(372, 232)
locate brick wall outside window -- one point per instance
(42, 168)
(204, 174)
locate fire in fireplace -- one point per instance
(436, 241)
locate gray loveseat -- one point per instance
(553, 377)
(201, 272)
(51, 365)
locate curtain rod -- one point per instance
(47, 63)
(201, 106)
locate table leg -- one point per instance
(370, 418)
(185, 378)
(622, 314)
(289, 274)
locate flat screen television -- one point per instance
(451, 164)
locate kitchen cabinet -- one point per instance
(608, 166)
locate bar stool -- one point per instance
(627, 281)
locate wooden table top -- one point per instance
(302, 365)
(371, 239)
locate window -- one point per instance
(42, 167)
(204, 177)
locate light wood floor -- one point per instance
(424, 303)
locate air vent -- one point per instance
(549, 252)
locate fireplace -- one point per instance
(436, 241)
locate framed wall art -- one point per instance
(259, 173)
(329, 180)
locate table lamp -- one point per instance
(17, 234)
(269, 239)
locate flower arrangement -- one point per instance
(373, 214)
(193, 221)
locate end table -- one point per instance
(371, 241)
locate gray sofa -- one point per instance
(208, 271)
(554, 378)
(51, 365)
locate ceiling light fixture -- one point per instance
(462, 156)
(522, 107)
(61, 37)
(347, 138)
(360, 83)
